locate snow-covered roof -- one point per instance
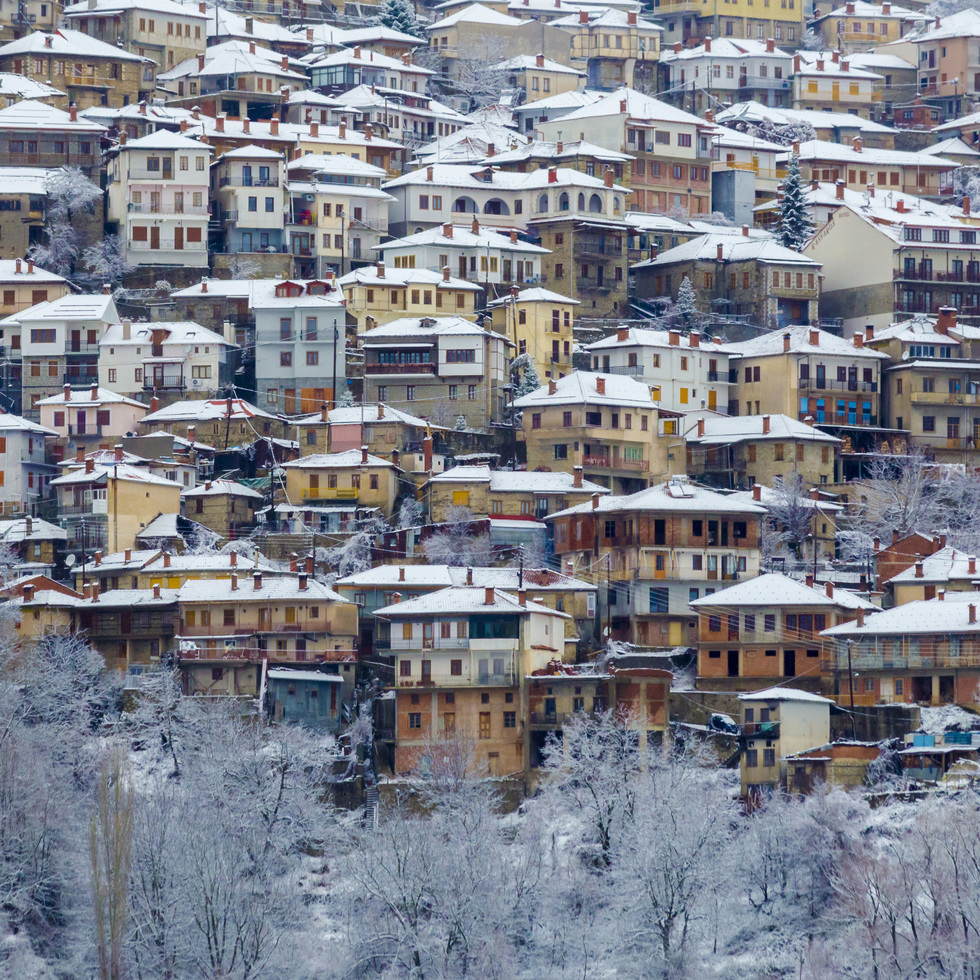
(475, 13)
(813, 150)
(348, 459)
(785, 694)
(208, 410)
(734, 48)
(946, 565)
(954, 146)
(756, 112)
(918, 329)
(775, 589)
(463, 236)
(217, 488)
(185, 332)
(443, 576)
(639, 108)
(930, 617)
(368, 275)
(12, 423)
(674, 495)
(102, 8)
(368, 414)
(727, 429)
(69, 307)
(522, 62)
(12, 532)
(165, 139)
(427, 327)
(605, 16)
(548, 150)
(646, 337)
(276, 587)
(12, 84)
(80, 397)
(335, 163)
(115, 471)
(8, 267)
(535, 294)
(574, 99)
(517, 481)
(460, 175)
(879, 61)
(774, 497)
(581, 388)
(734, 248)
(285, 674)
(964, 23)
(464, 600)
(821, 64)
(68, 43)
(801, 339)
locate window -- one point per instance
(410, 393)
(415, 719)
(285, 358)
(770, 623)
(769, 757)
(510, 719)
(405, 668)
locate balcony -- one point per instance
(631, 370)
(824, 384)
(399, 368)
(584, 283)
(330, 493)
(760, 729)
(306, 219)
(167, 246)
(605, 462)
(944, 398)
(928, 275)
(248, 182)
(841, 418)
(945, 442)
(200, 212)
(173, 382)
(256, 654)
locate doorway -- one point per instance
(789, 663)
(733, 663)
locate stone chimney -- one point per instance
(860, 617)
(756, 492)
(233, 558)
(918, 568)
(607, 176)
(303, 580)
(859, 340)
(700, 428)
(858, 144)
(89, 465)
(595, 501)
(946, 320)
(765, 425)
(364, 455)
(622, 334)
(707, 45)
(694, 338)
(552, 175)
(469, 576)
(577, 477)
(118, 453)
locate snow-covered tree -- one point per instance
(242, 267)
(795, 221)
(411, 513)
(460, 425)
(686, 307)
(399, 15)
(455, 544)
(69, 194)
(345, 399)
(523, 376)
(791, 512)
(478, 75)
(788, 133)
(105, 261)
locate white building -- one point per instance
(24, 474)
(162, 357)
(673, 366)
(300, 337)
(248, 190)
(158, 199)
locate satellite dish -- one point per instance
(70, 560)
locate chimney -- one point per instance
(68, 394)
(600, 385)
(720, 252)
(427, 454)
(106, 289)
(469, 576)
(342, 129)
(539, 60)
(256, 581)
(607, 176)
(79, 454)
(17, 268)
(122, 138)
(95, 392)
(552, 175)
(673, 338)
(786, 342)
(860, 617)
(622, 106)
(895, 538)
(445, 273)
(248, 25)
(156, 591)
(488, 595)
(757, 492)
(707, 45)
(808, 420)
(814, 184)
(233, 558)
(631, 18)
(166, 559)
(28, 593)
(47, 40)
(678, 47)
(946, 320)
(583, 17)
(559, 148)
(900, 206)
(98, 558)
(118, 453)
(273, 127)
(709, 116)
(447, 231)
(859, 340)
(522, 596)
(869, 332)
(694, 338)
(809, 580)
(595, 501)
(973, 614)
(814, 337)
(622, 334)
(745, 231)
(292, 562)
(196, 112)
(819, 64)
(234, 582)
(858, 144)
(966, 204)
(829, 589)
(765, 425)
(368, 132)
(918, 568)
(128, 555)
(183, 125)
(381, 270)
(89, 465)
(700, 428)
(770, 45)
(303, 579)
(219, 123)
(204, 285)
(876, 544)
(309, 564)
(552, 386)
(973, 564)
(364, 455)
(95, 592)
(577, 477)
(796, 64)
(475, 227)
(315, 130)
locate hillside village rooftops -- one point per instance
(465, 600)
(365, 57)
(733, 139)
(607, 16)
(954, 146)
(773, 496)
(755, 112)
(585, 388)
(277, 587)
(821, 64)
(647, 337)
(918, 329)
(734, 248)
(17, 271)
(442, 576)
(522, 62)
(929, 617)
(335, 163)
(548, 150)
(575, 98)
(517, 481)
(774, 589)
(946, 565)
(864, 9)
(106, 8)
(69, 307)
(172, 331)
(223, 22)
(879, 61)
(674, 495)
(801, 341)
(883, 206)
(368, 414)
(964, 23)
(721, 430)
(12, 423)
(260, 293)
(251, 153)
(25, 180)
(12, 84)
(15, 531)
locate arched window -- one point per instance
(496, 206)
(563, 202)
(581, 202)
(595, 203)
(543, 203)
(465, 205)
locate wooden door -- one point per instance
(154, 237)
(178, 238)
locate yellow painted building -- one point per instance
(352, 475)
(691, 21)
(540, 323)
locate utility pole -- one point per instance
(850, 685)
(608, 601)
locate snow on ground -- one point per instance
(935, 720)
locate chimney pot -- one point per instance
(765, 425)
(256, 581)
(757, 492)
(488, 595)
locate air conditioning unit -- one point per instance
(196, 382)
(309, 197)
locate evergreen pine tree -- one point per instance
(687, 304)
(346, 399)
(399, 15)
(523, 365)
(795, 224)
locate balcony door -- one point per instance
(154, 237)
(178, 238)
